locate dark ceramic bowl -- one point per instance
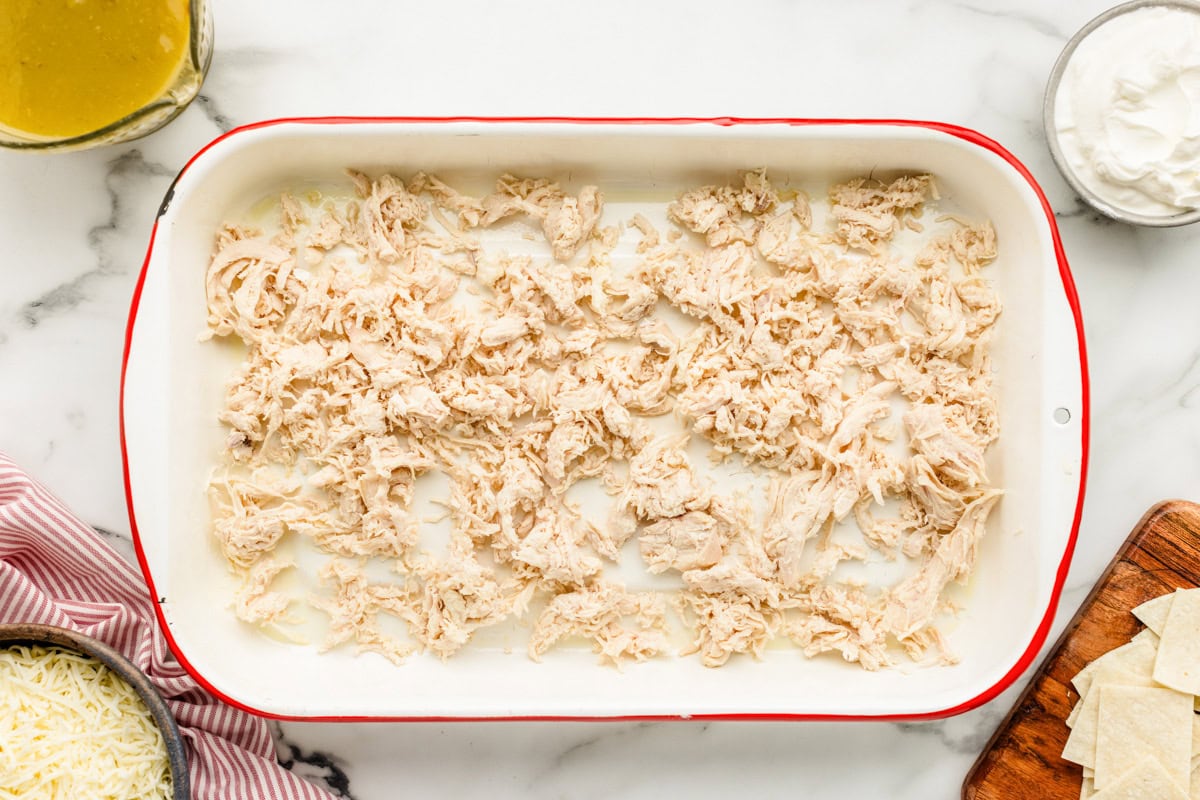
(28, 633)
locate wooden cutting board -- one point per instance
(1023, 759)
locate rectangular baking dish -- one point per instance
(172, 386)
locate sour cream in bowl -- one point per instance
(1122, 113)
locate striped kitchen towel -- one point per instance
(55, 570)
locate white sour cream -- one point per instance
(1127, 111)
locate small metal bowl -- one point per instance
(47, 635)
(1090, 197)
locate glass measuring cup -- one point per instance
(150, 115)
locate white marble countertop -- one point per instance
(73, 230)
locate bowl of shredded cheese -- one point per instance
(78, 719)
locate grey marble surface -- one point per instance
(73, 230)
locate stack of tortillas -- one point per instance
(1134, 729)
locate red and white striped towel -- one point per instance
(56, 570)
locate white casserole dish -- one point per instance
(172, 386)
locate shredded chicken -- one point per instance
(567, 221)
(852, 378)
(726, 625)
(620, 624)
(354, 608)
(458, 597)
(869, 214)
(256, 602)
(689, 541)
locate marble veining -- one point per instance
(207, 105)
(1031, 19)
(320, 767)
(74, 228)
(120, 541)
(122, 175)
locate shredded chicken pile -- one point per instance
(854, 377)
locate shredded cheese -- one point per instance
(72, 728)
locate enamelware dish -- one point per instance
(172, 388)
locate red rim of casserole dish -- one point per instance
(957, 131)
